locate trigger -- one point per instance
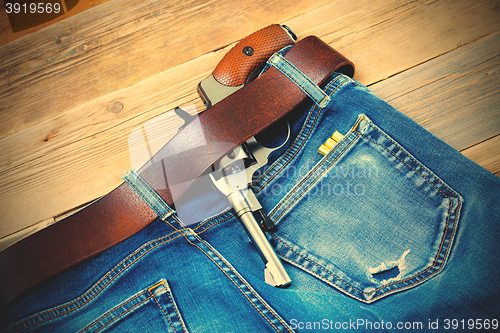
(184, 115)
(261, 153)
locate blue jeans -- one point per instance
(391, 230)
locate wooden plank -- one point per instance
(118, 44)
(77, 162)
(6, 34)
(19, 235)
(14, 238)
(42, 100)
(75, 153)
(456, 96)
(486, 154)
(385, 38)
(160, 35)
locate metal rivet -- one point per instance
(248, 51)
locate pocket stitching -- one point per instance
(170, 296)
(100, 318)
(310, 174)
(304, 140)
(314, 263)
(444, 236)
(408, 155)
(96, 285)
(158, 303)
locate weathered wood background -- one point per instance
(72, 90)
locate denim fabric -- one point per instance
(391, 230)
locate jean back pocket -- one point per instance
(368, 218)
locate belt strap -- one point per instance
(122, 213)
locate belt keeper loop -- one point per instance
(148, 194)
(300, 79)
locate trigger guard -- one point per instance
(275, 135)
(255, 73)
(262, 153)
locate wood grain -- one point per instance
(454, 96)
(118, 44)
(486, 154)
(72, 92)
(384, 38)
(77, 148)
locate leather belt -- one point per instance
(122, 213)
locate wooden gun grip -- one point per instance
(246, 56)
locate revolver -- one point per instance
(232, 175)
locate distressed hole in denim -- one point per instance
(391, 271)
(386, 274)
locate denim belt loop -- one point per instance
(148, 194)
(300, 79)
